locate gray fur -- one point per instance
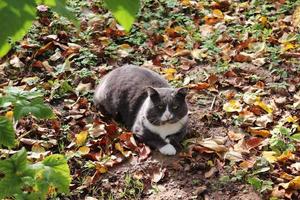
(146, 104)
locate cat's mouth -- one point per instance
(170, 121)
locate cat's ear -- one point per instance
(152, 93)
(182, 92)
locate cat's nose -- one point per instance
(166, 117)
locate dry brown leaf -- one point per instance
(296, 17)
(213, 145)
(235, 136)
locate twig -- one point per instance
(213, 102)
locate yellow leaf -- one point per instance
(264, 106)
(232, 106)
(288, 45)
(121, 149)
(101, 168)
(269, 156)
(263, 20)
(218, 13)
(292, 119)
(169, 73)
(81, 138)
(9, 115)
(124, 46)
(84, 150)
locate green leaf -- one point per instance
(16, 18)
(17, 93)
(7, 133)
(57, 172)
(295, 137)
(124, 11)
(36, 107)
(13, 170)
(255, 182)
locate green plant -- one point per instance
(21, 14)
(22, 180)
(23, 103)
(132, 188)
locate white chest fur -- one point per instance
(163, 130)
(166, 129)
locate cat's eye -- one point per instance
(160, 107)
(175, 107)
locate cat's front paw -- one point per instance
(168, 149)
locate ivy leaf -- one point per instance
(36, 107)
(20, 15)
(124, 11)
(7, 133)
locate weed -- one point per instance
(133, 188)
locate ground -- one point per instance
(240, 61)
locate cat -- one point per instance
(155, 112)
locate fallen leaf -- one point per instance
(169, 73)
(235, 136)
(296, 166)
(211, 144)
(253, 142)
(232, 106)
(144, 152)
(158, 175)
(269, 156)
(218, 13)
(264, 120)
(81, 138)
(199, 86)
(296, 17)
(101, 168)
(233, 155)
(264, 106)
(263, 20)
(286, 176)
(121, 149)
(286, 156)
(259, 132)
(247, 164)
(293, 184)
(84, 150)
(211, 172)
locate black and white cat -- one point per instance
(144, 101)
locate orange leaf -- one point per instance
(263, 133)
(101, 168)
(253, 142)
(286, 156)
(199, 86)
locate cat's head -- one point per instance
(166, 105)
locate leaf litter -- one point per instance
(241, 63)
